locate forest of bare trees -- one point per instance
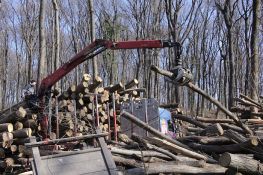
(222, 45)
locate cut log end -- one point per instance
(225, 160)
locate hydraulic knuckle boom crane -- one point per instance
(95, 48)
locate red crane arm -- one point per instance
(94, 49)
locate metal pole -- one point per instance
(93, 113)
(56, 113)
(132, 105)
(114, 117)
(63, 140)
(97, 110)
(108, 113)
(49, 115)
(146, 113)
(75, 117)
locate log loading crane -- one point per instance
(90, 51)
(76, 162)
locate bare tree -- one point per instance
(227, 11)
(5, 69)
(92, 36)
(254, 51)
(57, 35)
(42, 43)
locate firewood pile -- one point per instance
(72, 114)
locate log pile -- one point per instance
(73, 112)
(15, 130)
(227, 143)
(215, 146)
(203, 145)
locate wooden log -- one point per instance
(246, 103)
(6, 136)
(14, 116)
(239, 138)
(147, 145)
(15, 107)
(83, 87)
(129, 93)
(230, 171)
(13, 148)
(23, 150)
(235, 136)
(6, 127)
(213, 130)
(56, 92)
(213, 120)
(233, 127)
(219, 140)
(157, 168)
(193, 129)
(126, 161)
(233, 148)
(241, 163)
(72, 89)
(251, 100)
(230, 121)
(82, 113)
(195, 88)
(70, 107)
(18, 125)
(132, 92)
(138, 154)
(105, 97)
(131, 84)
(62, 103)
(80, 103)
(86, 77)
(22, 133)
(116, 87)
(33, 116)
(100, 90)
(189, 120)
(150, 129)
(96, 82)
(152, 159)
(89, 117)
(21, 112)
(90, 106)
(20, 141)
(64, 96)
(175, 149)
(2, 153)
(69, 132)
(9, 161)
(30, 124)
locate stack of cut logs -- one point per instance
(209, 146)
(75, 108)
(82, 100)
(16, 127)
